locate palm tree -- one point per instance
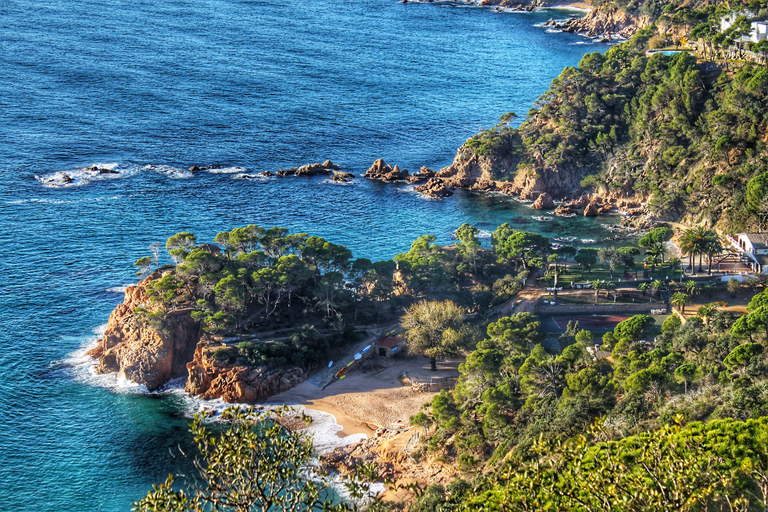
(694, 242)
(652, 261)
(692, 287)
(597, 286)
(688, 246)
(713, 247)
(643, 287)
(700, 237)
(655, 286)
(657, 251)
(679, 300)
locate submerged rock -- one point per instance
(342, 177)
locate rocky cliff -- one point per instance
(236, 383)
(146, 352)
(152, 349)
(606, 21)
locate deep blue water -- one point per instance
(151, 88)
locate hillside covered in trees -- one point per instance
(676, 423)
(684, 134)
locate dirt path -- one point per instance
(525, 300)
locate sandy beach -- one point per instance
(372, 395)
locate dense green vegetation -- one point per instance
(688, 134)
(300, 292)
(668, 411)
(252, 464)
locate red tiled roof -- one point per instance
(390, 341)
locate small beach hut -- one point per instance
(390, 346)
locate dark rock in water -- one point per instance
(423, 175)
(590, 210)
(426, 171)
(326, 167)
(195, 168)
(543, 202)
(381, 171)
(564, 211)
(108, 171)
(342, 177)
(434, 188)
(266, 174)
(330, 165)
(67, 178)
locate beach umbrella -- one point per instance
(330, 364)
(358, 357)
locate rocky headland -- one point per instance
(605, 22)
(499, 171)
(152, 352)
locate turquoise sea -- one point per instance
(149, 89)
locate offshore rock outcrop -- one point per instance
(326, 167)
(381, 171)
(434, 188)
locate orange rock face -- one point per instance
(145, 353)
(234, 383)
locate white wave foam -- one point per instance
(349, 183)
(76, 177)
(587, 240)
(83, 367)
(120, 289)
(227, 170)
(170, 171)
(101, 172)
(484, 233)
(323, 429)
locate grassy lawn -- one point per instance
(580, 297)
(573, 274)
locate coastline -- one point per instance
(575, 6)
(370, 398)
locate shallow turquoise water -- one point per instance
(152, 88)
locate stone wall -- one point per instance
(598, 309)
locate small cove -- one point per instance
(152, 89)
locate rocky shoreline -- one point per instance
(152, 354)
(476, 174)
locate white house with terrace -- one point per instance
(753, 248)
(759, 28)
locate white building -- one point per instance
(759, 28)
(755, 247)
